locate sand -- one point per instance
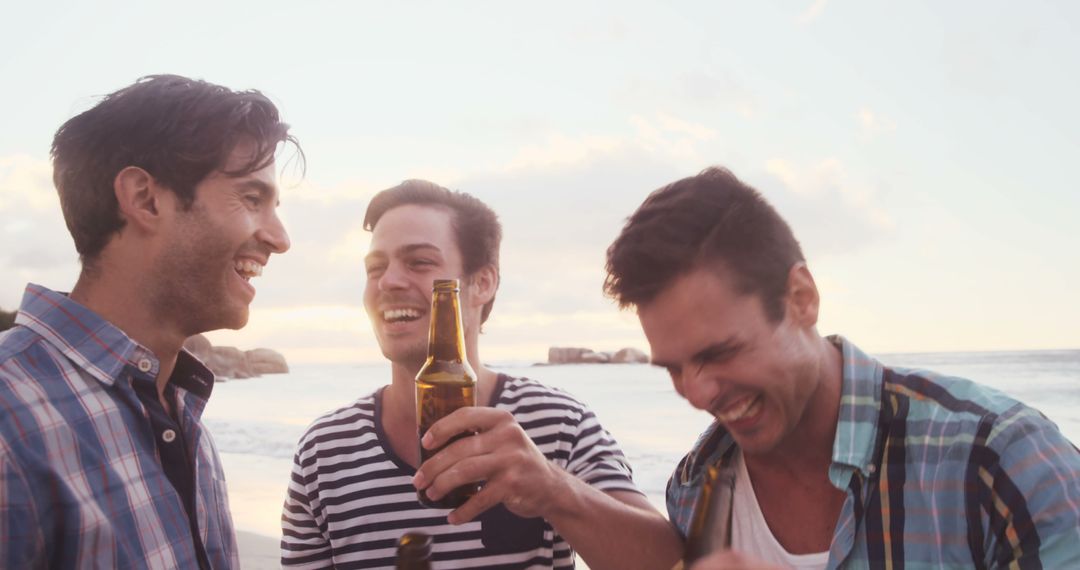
(258, 551)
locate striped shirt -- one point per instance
(940, 472)
(82, 484)
(351, 497)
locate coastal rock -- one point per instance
(198, 345)
(266, 361)
(228, 361)
(231, 362)
(630, 356)
(577, 355)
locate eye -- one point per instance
(420, 263)
(375, 269)
(253, 200)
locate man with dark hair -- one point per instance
(839, 461)
(169, 190)
(555, 481)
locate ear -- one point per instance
(802, 296)
(139, 198)
(483, 284)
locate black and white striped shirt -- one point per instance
(351, 497)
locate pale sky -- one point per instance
(925, 153)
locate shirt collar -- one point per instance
(99, 347)
(857, 420)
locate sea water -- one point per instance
(256, 423)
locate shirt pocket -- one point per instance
(503, 532)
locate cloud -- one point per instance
(37, 246)
(872, 125)
(812, 12)
(717, 87)
(828, 213)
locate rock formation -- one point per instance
(575, 355)
(231, 362)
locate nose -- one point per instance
(696, 387)
(392, 278)
(273, 234)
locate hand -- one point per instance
(731, 560)
(516, 473)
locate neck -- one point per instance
(119, 297)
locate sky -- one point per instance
(923, 152)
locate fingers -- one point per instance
(469, 470)
(469, 418)
(486, 498)
(447, 458)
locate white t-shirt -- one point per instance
(750, 533)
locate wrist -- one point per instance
(561, 498)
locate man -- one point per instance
(169, 190)
(840, 461)
(554, 479)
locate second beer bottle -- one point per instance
(446, 382)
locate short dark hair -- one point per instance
(476, 226)
(709, 218)
(177, 129)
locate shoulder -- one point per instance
(524, 395)
(26, 362)
(941, 399)
(958, 415)
(15, 342)
(350, 423)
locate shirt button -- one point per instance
(871, 468)
(145, 365)
(168, 436)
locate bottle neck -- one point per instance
(446, 339)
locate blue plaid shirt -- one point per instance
(81, 482)
(940, 472)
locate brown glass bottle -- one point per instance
(710, 525)
(413, 551)
(446, 382)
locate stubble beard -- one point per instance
(191, 288)
(411, 356)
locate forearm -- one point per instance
(617, 530)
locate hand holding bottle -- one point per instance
(501, 454)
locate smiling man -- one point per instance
(169, 190)
(555, 482)
(841, 462)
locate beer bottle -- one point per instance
(414, 551)
(446, 382)
(710, 525)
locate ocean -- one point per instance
(256, 423)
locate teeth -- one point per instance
(740, 410)
(248, 268)
(399, 314)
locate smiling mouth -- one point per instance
(247, 269)
(743, 408)
(400, 315)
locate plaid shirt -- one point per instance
(81, 482)
(939, 472)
